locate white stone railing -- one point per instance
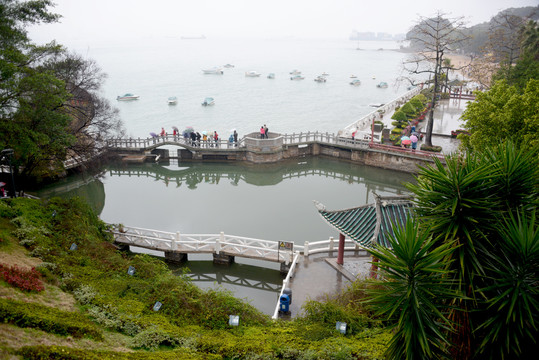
(286, 283)
(202, 243)
(365, 122)
(330, 245)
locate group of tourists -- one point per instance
(204, 139)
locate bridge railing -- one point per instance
(208, 243)
(310, 248)
(202, 243)
(150, 142)
(326, 138)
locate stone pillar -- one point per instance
(175, 257)
(223, 259)
(340, 255)
(285, 268)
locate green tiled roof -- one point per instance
(369, 224)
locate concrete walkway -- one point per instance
(318, 276)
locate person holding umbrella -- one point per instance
(405, 140)
(414, 140)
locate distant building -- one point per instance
(381, 36)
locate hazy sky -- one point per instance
(94, 20)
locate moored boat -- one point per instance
(173, 100)
(382, 85)
(297, 77)
(295, 72)
(355, 82)
(213, 70)
(208, 101)
(127, 97)
(252, 73)
(271, 76)
(320, 78)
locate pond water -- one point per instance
(269, 202)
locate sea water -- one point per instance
(161, 68)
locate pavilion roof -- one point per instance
(372, 223)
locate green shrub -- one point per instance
(153, 338)
(416, 103)
(48, 319)
(425, 147)
(409, 110)
(421, 98)
(399, 116)
(330, 311)
(6, 211)
(85, 294)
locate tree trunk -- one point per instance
(430, 121)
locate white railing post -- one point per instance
(217, 247)
(306, 248)
(175, 241)
(331, 245)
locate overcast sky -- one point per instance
(94, 20)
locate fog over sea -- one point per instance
(158, 69)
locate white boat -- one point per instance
(320, 78)
(353, 76)
(271, 76)
(382, 85)
(228, 66)
(325, 74)
(297, 77)
(213, 70)
(208, 101)
(127, 97)
(295, 72)
(252, 73)
(355, 82)
(377, 105)
(173, 100)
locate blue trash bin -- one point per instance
(284, 304)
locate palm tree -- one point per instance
(463, 202)
(512, 329)
(412, 293)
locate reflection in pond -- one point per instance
(271, 202)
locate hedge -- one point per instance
(42, 352)
(48, 319)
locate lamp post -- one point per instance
(7, 154)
